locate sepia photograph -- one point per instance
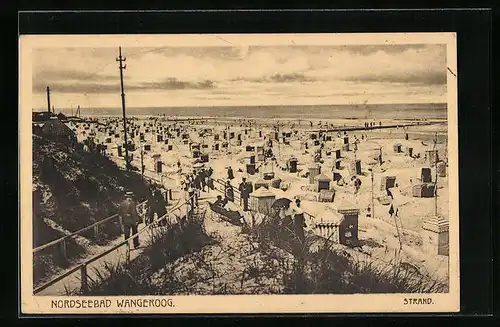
(239, 173)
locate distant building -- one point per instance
(41, 116)
(62, 117)
(56, 128)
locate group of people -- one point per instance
(245, 188)
(130, 218)
(199, 180)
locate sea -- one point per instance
(434, 111)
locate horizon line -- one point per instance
(253, 106)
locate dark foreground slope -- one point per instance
(71, 190)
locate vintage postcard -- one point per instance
(272, 173)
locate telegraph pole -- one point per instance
(121, 59)
(142, 161)
(373, 206)
(436, 173)
(48, 99)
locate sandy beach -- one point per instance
(171, 142)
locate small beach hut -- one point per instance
(268, 176)
(326, 196)
(292, 165)
(424, 190)
(321, 182)
(251, 168)
(441, 169)
(397, 147)
(158, 166)
(204, 157)
(356, 167)
(327, 225)
(387, 182)
(314, 171)
(276, 182)
(348, 225)
(261, 200)
(425, 175)
(261, 183)
(337, 153)
(409, 151)
(432, 157)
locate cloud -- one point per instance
(428, 78)
(173, 83)
(239, 73)
(278, 78)
(84, 88)
(73, 75)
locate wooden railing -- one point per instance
(220, 186)
(82, 267)
(94, 226)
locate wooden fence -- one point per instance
(190, 203)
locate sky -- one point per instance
(243, 75)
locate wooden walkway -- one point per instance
(93, 267)
(96, 269)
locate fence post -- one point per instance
(96, 231)
(127, 253)
(152, 229)
(63, 249)
(84, 281)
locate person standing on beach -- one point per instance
(197, 180)
(229, 192)
(156, 204)
(203, 179)
(230, 173)
(245, 189)
(129, 218)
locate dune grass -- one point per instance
(321, 266)
(168, 243)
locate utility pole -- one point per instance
(373, 206)
(121, 59)
(436, 175)
(142, 160)
(48, 99)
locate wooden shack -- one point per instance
(261, 200)
(321, 182)
(314, 171)
(291, 165)
(356, 167)
(424, 190)
(326, 196)
(387, 182)
(261, 183)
